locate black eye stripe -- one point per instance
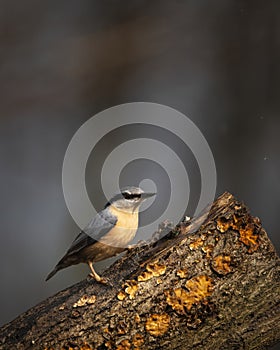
(131, 195)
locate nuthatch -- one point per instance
(108, 233)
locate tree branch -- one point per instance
(211, 283)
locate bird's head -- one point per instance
(130, 198)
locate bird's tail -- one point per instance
(64, 262)
(53, 272)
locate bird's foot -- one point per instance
(99, 279)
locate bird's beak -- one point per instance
(147, 195)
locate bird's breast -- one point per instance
(124, 231)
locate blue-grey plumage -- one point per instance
(108, 233)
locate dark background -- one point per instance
(62, 62)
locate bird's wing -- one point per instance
(102, 223)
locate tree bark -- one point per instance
(210, 283)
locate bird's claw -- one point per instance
(101, 280)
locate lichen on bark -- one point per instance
(210, 283)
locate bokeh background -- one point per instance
(62, 62)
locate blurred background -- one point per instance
(62, 62)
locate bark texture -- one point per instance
(210, 283)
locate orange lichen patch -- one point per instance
(180, 300)
(121, 295)
(159, 280)
(221, 264)
(124, 345)
(248, 237)
(223, 224)
(131, 288)
(247, 233)
(153, 270)
(156, 269)
(91, 299)
(85, 300)
(157, 324)
(246, 227)
(196, 244)
(208, 250)
(182, 273)
(200, 286)
(137, 340)
(145, 276)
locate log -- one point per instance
(210, 283)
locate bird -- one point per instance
(107, 234)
